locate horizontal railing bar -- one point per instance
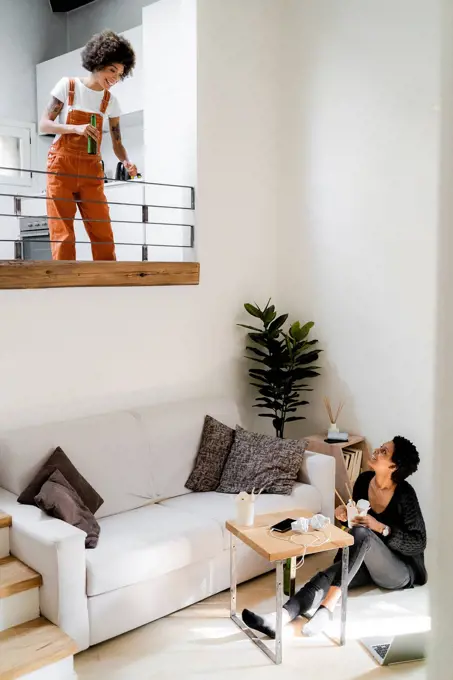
(80, 219)
(79, 200)
(126, 181)
(100, 243)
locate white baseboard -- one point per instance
(19, 608)
(62, 670)
(4, 542)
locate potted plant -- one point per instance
(283, 362)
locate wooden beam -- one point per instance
(34, 274)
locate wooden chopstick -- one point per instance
(349, 491)
(340, 498)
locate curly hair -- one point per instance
(406, 459)
(107, 48)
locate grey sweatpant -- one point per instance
(370, 561)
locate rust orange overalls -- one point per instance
(84, 182)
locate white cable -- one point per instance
(316, 543)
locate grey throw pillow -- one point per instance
(215, 446)
(258, 461)
(59, 499)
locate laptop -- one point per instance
(400, 649)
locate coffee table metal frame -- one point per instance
(277, 655)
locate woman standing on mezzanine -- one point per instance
(74, 161)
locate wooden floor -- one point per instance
(202, 643)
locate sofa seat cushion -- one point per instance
(221, 507)
(146, 543)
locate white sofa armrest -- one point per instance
(319, 471)
(55, 550)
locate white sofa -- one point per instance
(161, 547)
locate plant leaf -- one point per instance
(257, 351)
(277, 323)
(299, 332)
(250, 328)
(253, 311)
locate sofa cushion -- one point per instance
(221, 507)
(216, 442)
(108, 450)
(173, 432)
(257, 461)
(146, 543)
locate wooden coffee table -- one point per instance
(278, 551)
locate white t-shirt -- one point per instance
(85, 99)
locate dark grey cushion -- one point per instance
(59, 499)
(215, 446)
(258, 461)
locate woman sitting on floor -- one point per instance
(388, 547)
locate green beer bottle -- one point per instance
(92, 144)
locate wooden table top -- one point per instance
(276, 547)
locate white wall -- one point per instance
(29, 33)
(170, 114)
(118, 15)
(358, 254)
(170, 91)
(441, 659)
(74, 351)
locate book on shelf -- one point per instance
(347, 456)
(353, 463)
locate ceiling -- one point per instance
(68, 5)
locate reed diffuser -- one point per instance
(333, 428)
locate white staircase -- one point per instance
(31, 647)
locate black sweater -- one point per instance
(407, 527)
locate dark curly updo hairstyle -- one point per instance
(406, 459)
(105, 49)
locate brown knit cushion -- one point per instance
(58, 499)
(262, 462)
(215, 446)
(59, 461)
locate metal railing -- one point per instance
(146, 223)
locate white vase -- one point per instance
(333, 428)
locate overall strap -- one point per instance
(71, 92)
(105, 102)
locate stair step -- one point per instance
(4, 542)
(32, 646)
(16, 577)
(5, 520)
(5, 523)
